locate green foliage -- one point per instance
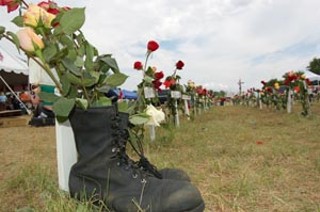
(2, 30)
(314, 66)
(71, 21)
(139, 119)
(220, 93)
(18, 21)
(84, 75)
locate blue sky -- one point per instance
(220, 41)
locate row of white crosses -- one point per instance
(290, 93)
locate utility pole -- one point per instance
(240, 83)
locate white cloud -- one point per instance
(220, 41)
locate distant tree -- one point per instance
(220, 93)
(314, 66)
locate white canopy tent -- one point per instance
(13, 70)
(311, 76)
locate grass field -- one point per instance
(241, 159)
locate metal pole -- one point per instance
(28, 111)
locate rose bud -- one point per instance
(152, 46)
(138, 65)
(179, 65)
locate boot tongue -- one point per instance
(124, 124)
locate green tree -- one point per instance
(220, 93)
(314, 66)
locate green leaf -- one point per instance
(18, 21)
(61, 119)
(73, 93)
(79, 62)
(89, 56)
(65, 85)
(63, 106)
(72, 20)
(49, 52)
(15, 39)
(111, 62)
(72, 55)
(150, 72)
(66, 41)
(123, 106)
(2, 30)
(48, 97)
(69, 64)
(82, 103)
(103, 89)
(148, 79)
(73, 79)
(139, 119)
(115, 80)
(102, 102)
(88, 81)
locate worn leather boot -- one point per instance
(104, 173)
(143, 163)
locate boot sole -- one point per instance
(199, 208)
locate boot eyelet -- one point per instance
(143, 180)
(118, 164)
(134, 176)
(114, 149)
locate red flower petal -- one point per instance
(158, 75)
(137, 65)
(152, 46)
(12, 6)
(179, 65)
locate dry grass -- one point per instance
(241, 159)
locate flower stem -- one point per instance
(24, 3)
(145, 63)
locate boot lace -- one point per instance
(120, 152)
(143, 163)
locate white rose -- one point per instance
(156, 116)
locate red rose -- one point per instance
(269, 89)
(53, 11)
(158, 75)
(169, 82)
(152, 46)
(12, 5)
(179, 65)
(138, 65)
(308, 82)
(44, 4)
(199, 90)
(204, 91)
(156, 84)
(50, 7)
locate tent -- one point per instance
(129, 94)
(13, 75)
(12, 70)
(311, 76)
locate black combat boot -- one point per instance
(104, 173)
(143, 163)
